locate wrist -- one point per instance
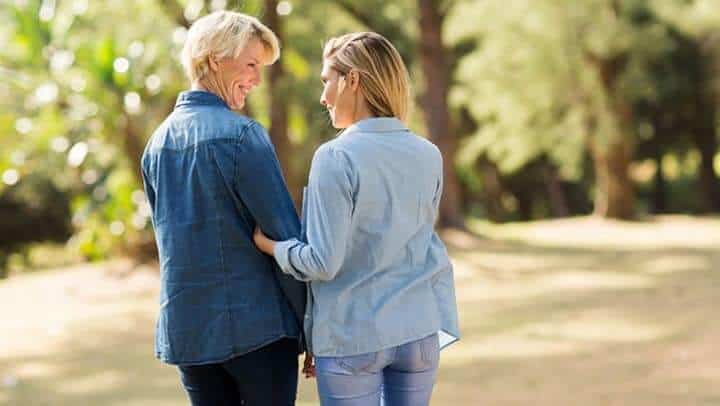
(270, 247)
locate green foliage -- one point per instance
(85, 83)
(531, 82)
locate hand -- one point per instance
(309, 366)
(263, 243)
(260, 240)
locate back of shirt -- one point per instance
(380, 275)
(211, 176)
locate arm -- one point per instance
(147, 186)
(261, 186)
(259, 183)
(329, 211)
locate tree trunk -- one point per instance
(556, 194)
(437, 115)
(4, 265)
(614, 194)
(709, 185)
(705, 139)
(279, 106)
(492, 189)
(659, 194)
(663, 125)
(133, 146)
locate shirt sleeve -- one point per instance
(329, 213)
(438, 186)
(147, 185)
(262, 188)
(263, 191)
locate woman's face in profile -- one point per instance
(238, 76)
(336, 96)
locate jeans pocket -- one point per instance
(358, 363)
(430, 350)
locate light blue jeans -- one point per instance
(398, 376)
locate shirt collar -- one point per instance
(199, 98)
(377, 124)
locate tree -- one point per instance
(278, 103)
(557, 79)
(436, 64)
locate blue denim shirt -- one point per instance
(210, 176)
(379, 275)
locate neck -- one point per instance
(362, 111)
(211, 83)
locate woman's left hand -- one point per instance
(263, 243)
(309, 366)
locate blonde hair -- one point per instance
(384, 79)
(223, 34)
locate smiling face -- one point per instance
(238, 76)
(337, 97)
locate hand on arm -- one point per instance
(261, 187)
(263, 243)
(329, 215)
(259, 184)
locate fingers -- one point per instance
(309, 366)
(309, 372)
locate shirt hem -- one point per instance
(381, 348)
(223, 358)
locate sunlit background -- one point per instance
(581, 188)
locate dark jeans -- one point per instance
(267, 376)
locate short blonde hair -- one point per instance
(384, 79)
(223, 34)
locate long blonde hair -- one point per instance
(384, 79)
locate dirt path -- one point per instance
(572, 312)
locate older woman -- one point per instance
(228, 318)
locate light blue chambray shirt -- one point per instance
(379, 274)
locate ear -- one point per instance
(353, 78)
(213, 63)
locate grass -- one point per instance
(565, 312)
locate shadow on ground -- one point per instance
(592, 324)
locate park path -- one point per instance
(569, 312)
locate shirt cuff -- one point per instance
(281, 252)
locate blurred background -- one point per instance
(580, 200)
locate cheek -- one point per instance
(326, 95)
(238, 73)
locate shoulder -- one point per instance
(334, 153)
(426, 148)
(425, 143)
(251, 129)
(332, 160)
(235, 125)
(227, 124)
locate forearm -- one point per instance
(304, 262)
(329, 210)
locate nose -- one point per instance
(323, 100)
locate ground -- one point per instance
(567, 312)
